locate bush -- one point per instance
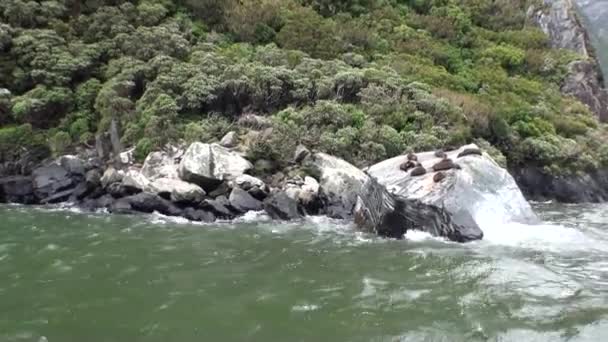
(60, 142)
(143, 148)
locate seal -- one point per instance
(412, 156)
(410, 164)
(418, 171)
(438, 177)
(445, 164)
(440, 154)
(470, 152)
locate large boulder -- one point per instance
(135, 181)
(208, 165)
(162, 164)
(280, 206)
(178, 190)
(476, 188)
(392, 215)
(72, 164)
(110, 176)
(17, 189)
(50, 180)
(340, 183)
(243, 202)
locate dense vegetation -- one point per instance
(361, 79)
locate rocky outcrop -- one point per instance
(208, 165)
(17, 189)
(280, 206)
(162, 164)
(476, 189)
(392, 215)
(537, 184)
(243, 202)
(560, 21)
(340, 183)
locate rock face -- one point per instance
(208, 165)
(480, 190)
(50, 180)
(17, 189)
(340, 184)
(161, 164)
(393, 215)
(560, 21)
(243, 202)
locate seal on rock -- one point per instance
(438, 177)
(418, 171)
(412, 157)
(410, 164)
(445, 164)
(470, 152)
(440, 154)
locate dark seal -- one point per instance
(410, 164)
(412, 157)
(440, 154)
(445, 164)
(470, 152)
(418, 171)
(438, 177)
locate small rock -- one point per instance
(219, 207)
(230, 140)
(418, 171)
(438, 177)
(301, 153)
(243, 202)
(470, 152)
(280, 206)
(445, 164)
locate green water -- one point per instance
(66, 276)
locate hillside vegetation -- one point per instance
(361, 79)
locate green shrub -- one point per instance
(143, 148)
(60, 142)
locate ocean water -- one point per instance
(70, 276)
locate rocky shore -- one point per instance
(440, 192)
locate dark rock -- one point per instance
(243, 202)
(537, 184)
(440, 154)
(103, 202)
(408, 165)
(121, 206)
(219, 207)
(17, 189)
(470, 152)
(446, 164)
(418, 171)
(93, 178)
(258, 193)
(80, 191)
(118, 190)
(301, 153)
(49, 180)
(148, 203)
(412, 157)
(73, 165)
(280, 206)
(58, 197)
(198, 215)
(438, 177)
(392, 216)
(221, 190)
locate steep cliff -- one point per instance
(560, 21)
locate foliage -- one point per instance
(362, 79)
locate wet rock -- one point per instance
(219, 207)
(198, 215)
(230, 140)
(481, 188)
(392, 215)
(147, 203)
(243, 202)
(280, 206)
(178, 190)
(340, 183)
(58, 197)
(17, 189)
(51, 179)
(207, 165)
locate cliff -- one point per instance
(560, 21)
